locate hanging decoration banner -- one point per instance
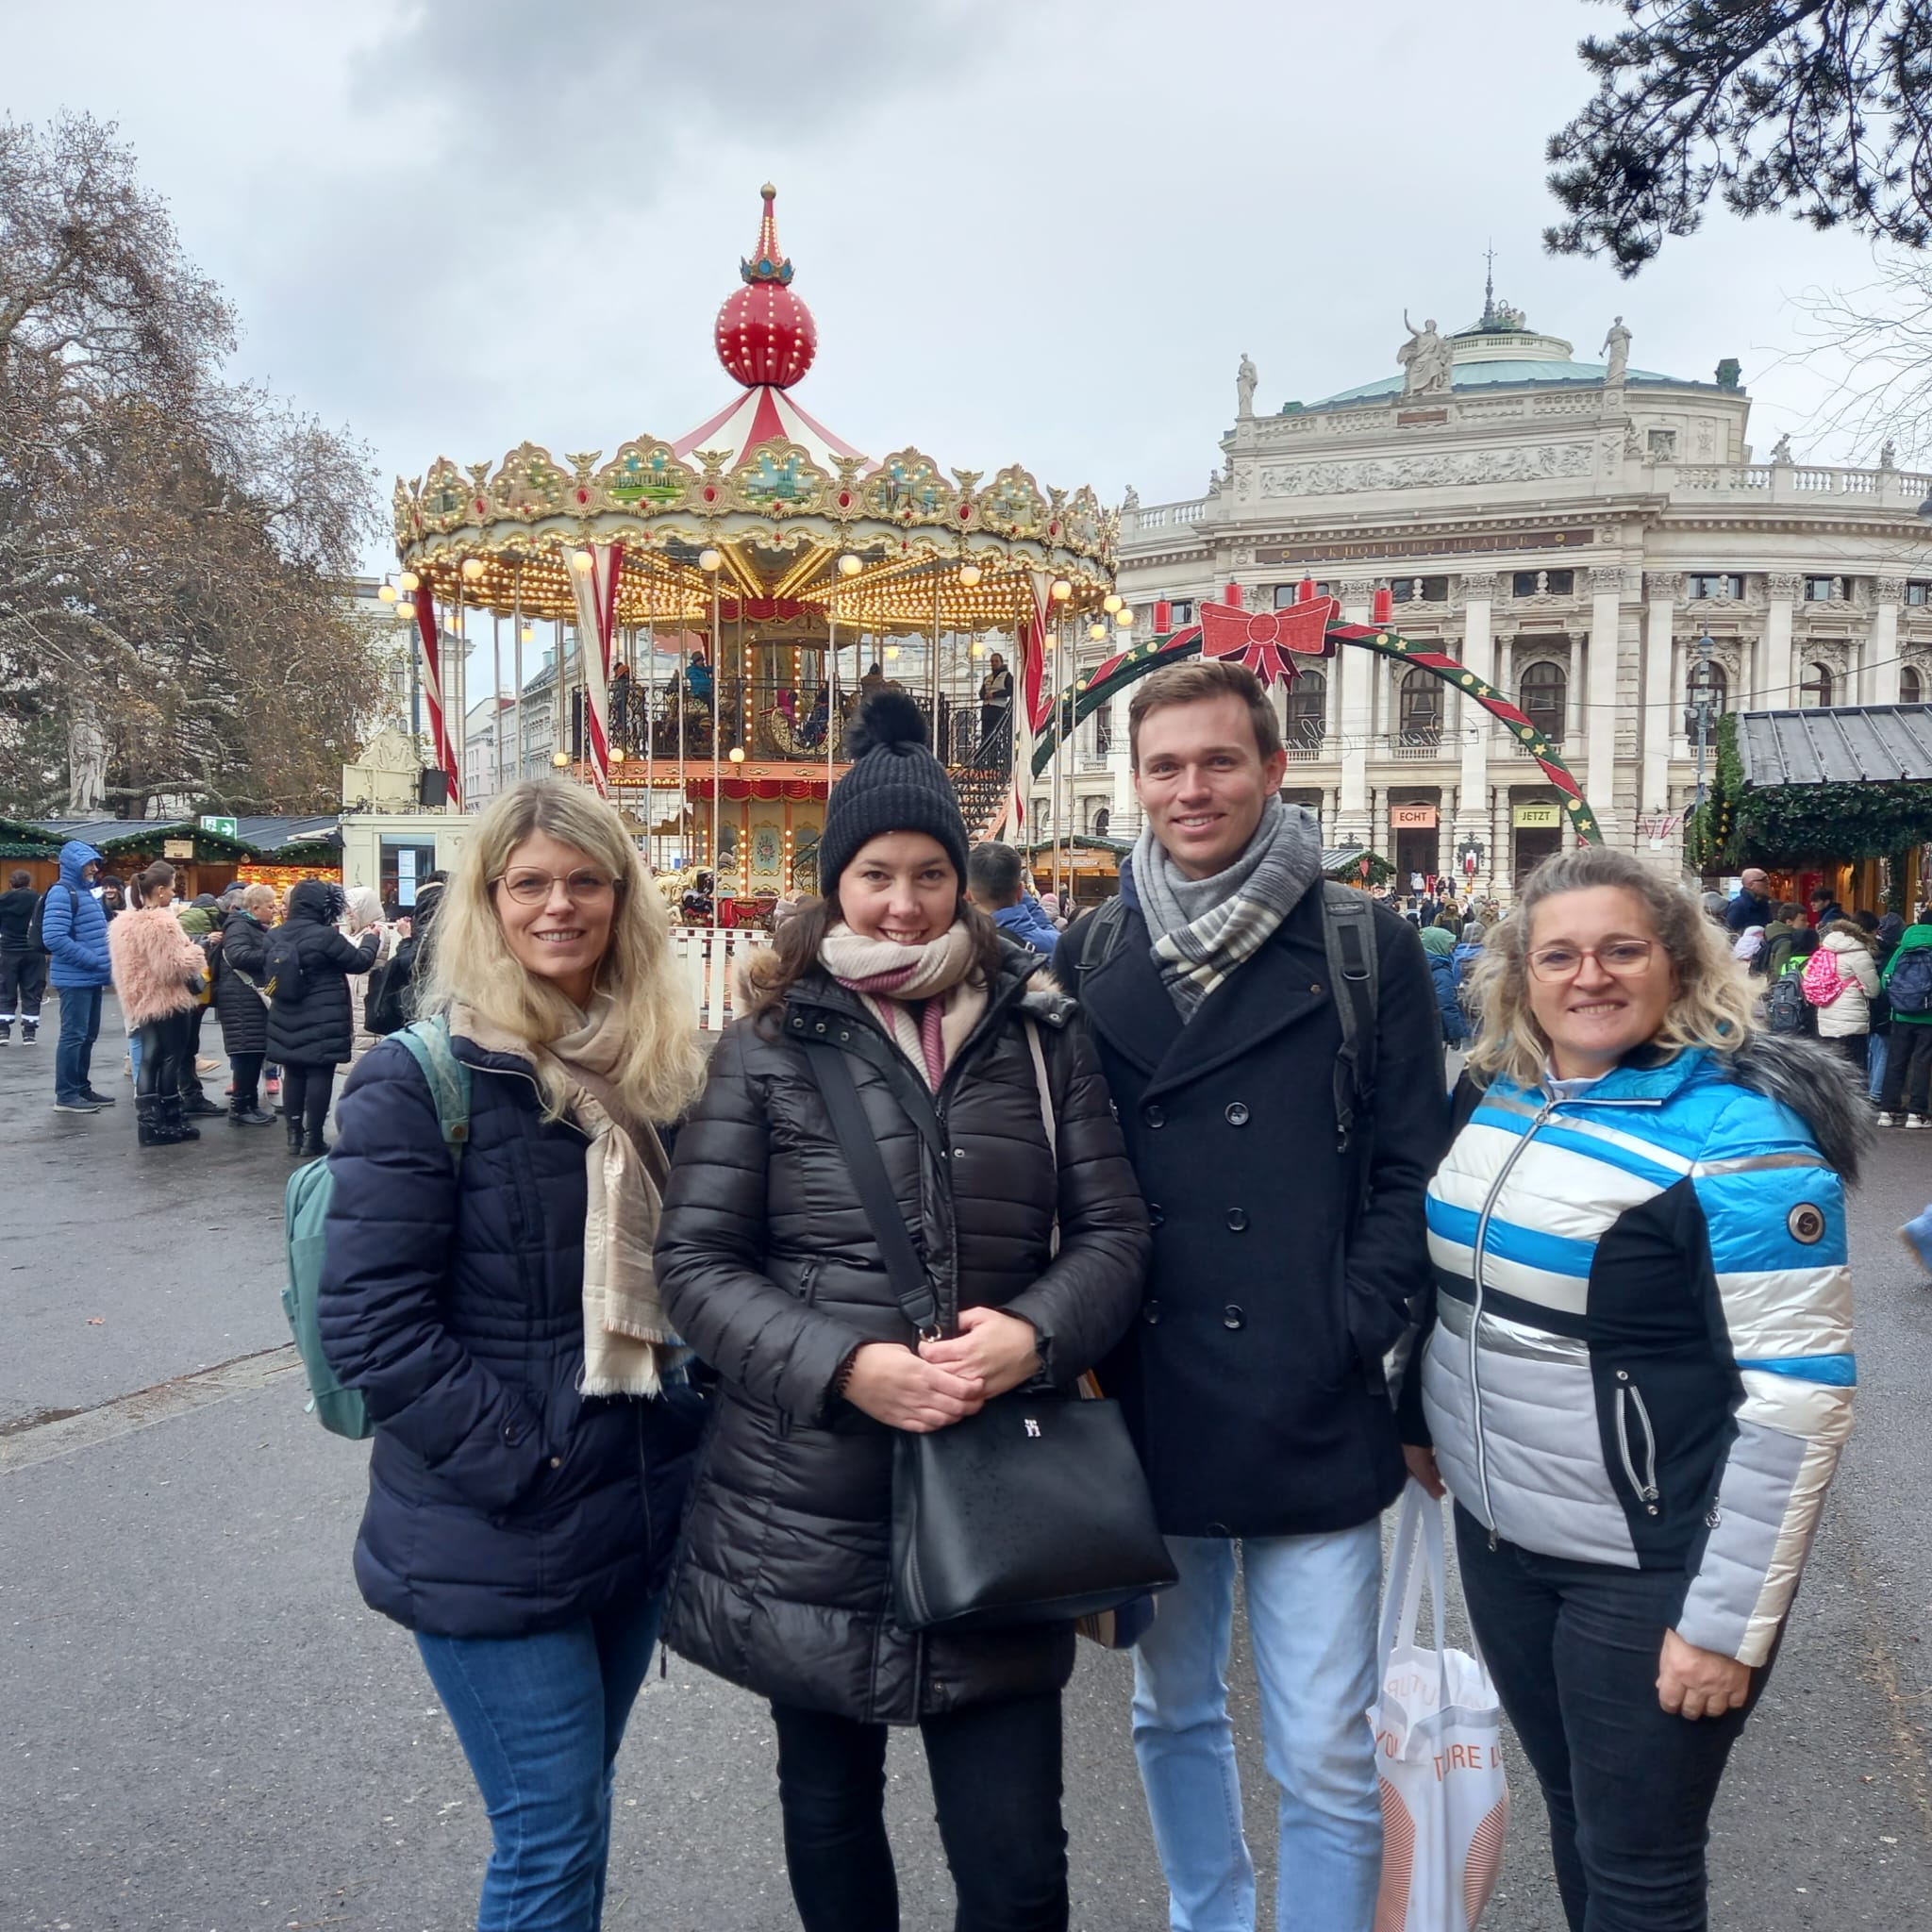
(597, 597)
(1267, 641)
(430, 652)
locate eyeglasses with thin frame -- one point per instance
(531, 887)
(1621, 959)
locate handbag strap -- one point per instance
(831, 1071)
(1050, 1124)
(1418, 1534)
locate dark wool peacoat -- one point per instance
(309, 1021)
(1253, 1376)
(771, 1272)
(501, 1501)
(239, 963)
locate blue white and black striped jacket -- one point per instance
(1642, 1351)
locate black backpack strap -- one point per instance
(1353, 970)
(1090, 942)
(831, 1071)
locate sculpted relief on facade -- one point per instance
(1517, 464)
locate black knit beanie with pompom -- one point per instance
(895, 785)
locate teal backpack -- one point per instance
(311, 1187)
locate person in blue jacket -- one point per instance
(73, 929)
(1439, 942)
(534, 1429)
(1638, 1371)
(993, 884)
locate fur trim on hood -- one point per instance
(1816, 1084)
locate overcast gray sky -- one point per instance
(1031, 230)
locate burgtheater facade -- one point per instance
(1570, 531)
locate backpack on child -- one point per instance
(1822, 978)
(311, 1188)
(1786, 1009)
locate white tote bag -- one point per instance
(1438, 1744)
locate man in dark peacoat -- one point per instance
(1254, 1379)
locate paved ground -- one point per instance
(203, 1731)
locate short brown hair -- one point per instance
(1200, 679)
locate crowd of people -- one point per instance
(643, 1368)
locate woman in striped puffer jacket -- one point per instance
(1638, 1372)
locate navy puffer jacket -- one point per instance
(501, 1502)
(306, 961)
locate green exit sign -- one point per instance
(224, 827)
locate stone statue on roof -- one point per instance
(1244, 381)
(1131, 500)
(1426, 359)
(1618, 344)
(1781, 450)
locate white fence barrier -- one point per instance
(707, 959)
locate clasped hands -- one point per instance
(943, 1382)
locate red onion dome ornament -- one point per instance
(765, 334)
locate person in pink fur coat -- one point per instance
(158, 969)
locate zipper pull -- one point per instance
(1493, 1541)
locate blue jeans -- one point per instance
(80, 1026)
(1312, 1604)
(1874, 1064)
(540, 1718)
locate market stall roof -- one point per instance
(19, 840)
(270, 835)
(108, 836)
(1846, 744)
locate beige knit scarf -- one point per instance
(628, 1339)
(887, 976)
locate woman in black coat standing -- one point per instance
(533, 1427)
(312, 1030)
(238, 957)
(771, 1272)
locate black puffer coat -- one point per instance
(239, 963)
(770, 1269)
(309, 1021)
(501, 1501)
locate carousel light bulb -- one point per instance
(737, 754)
(1111, 602)
(473, 567)
(1097, 632)
(559, 758)
(406, 612)
(849, 565)
(710, 561)
(617, 754)
(890, 653)
(580, 561)
(388, 593)
(979, 650)
(528, 634)
(969, 574)
(1125, 618)
(1061, 589)
(408, 580)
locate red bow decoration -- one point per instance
(1259, 638)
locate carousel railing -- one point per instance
(708, 958)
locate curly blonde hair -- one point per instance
(1710, 1007)
(471, 963)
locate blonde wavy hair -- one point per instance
(471, 964)
(1711, 1006)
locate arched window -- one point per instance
(1308, 708)
(1420, 708)
(1102, 817)
(1717, 694)
(1815, 692)
(1543, 693)
(1911, 687)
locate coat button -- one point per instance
(1231, 1316)
(1217, 1529)
(1151, 1314)
(557, 1462)
(511, 1434)
(1155, 1214)
(1236, 1113)
(1238, 1219)
(1154, 1117)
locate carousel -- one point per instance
(710, 609)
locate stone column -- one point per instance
(1477, 655)
(1660, 696)
(1881, 655)
(1779, 691)
(1354, 716)
(1600, 693)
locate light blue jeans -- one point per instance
(1312, 1604)
(1876, 1047)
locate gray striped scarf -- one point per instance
(1204, 928)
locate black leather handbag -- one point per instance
(1035, 1510)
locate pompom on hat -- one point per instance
(895, 785)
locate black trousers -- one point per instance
(1573, 1651)
(1855, 1047)
(164, 1051)
(305, 1090)
(995, 1771)
(1908, 1068)
(23, 982)
(246, 1068)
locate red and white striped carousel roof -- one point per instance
(760, 415)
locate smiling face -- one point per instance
(901, 887)
(1202, 781)
(1594, 1017)
(563, 932)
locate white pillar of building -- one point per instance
(1881, 657)
(1659, 696)
(1780, 688)
(1355, 682)
(1477, 655)
(1600, 695)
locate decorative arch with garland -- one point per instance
(1269, 642)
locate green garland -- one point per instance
(1742, 824)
